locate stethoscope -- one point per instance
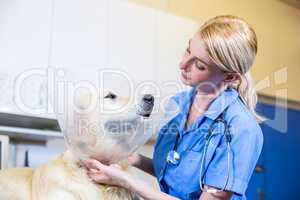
(173, 157)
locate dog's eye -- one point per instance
(110, 95)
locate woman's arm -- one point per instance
(113, 175)
(142, 162)
(145, 191)
(211, 193)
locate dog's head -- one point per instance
(107, 126)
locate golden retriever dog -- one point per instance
(64, 178)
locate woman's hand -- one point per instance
(113, 175)
(103, 174)
(141, 162)
(134, 159)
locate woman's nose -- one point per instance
(184, 62)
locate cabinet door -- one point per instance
(79, 34)
(24, 47)
(282, 161)
(131, 46)
(24, 35)
(173, 34)
(276, 176)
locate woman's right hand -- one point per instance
(141, 162)
(134, 159)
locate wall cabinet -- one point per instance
(79, 37)
(24, 36)
(24, 46)
(136, 46)
(173, 34)
(276, 176)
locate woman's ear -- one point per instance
(232, 77)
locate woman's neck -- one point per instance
(208, 95)
(203, 99)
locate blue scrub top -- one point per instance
(183, 180)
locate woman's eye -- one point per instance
(200, 66)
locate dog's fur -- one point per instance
(63, 178)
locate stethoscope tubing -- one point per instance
(228, 149)
(208, 137)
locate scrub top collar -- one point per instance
(226, 98)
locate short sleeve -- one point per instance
(245, 149)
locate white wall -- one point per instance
(83, 37)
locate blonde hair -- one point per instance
(232, 44)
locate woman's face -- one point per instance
(197, 69)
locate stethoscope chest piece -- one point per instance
(173, 157)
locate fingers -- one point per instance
(103, 174)
(94, 164)
(94, 172)
(131, 159)
(91, 170)
(98, 177)
(116, 166)
(134, 159)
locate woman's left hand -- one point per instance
(104, 174)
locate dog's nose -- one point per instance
(148, 98)
(146, 105)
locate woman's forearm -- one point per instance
(220, 195)
(145, 191)
(145, 164)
